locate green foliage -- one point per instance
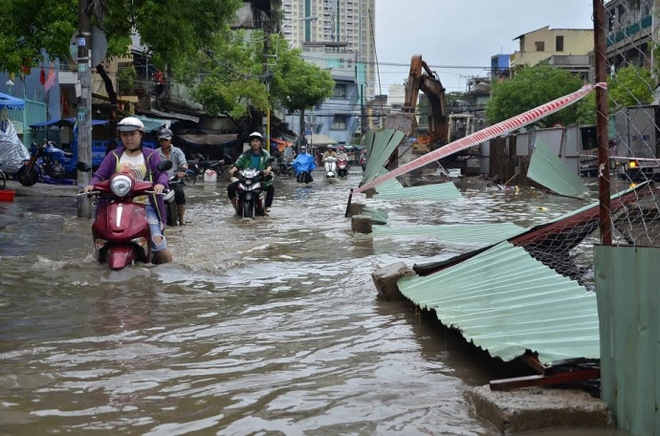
(297, 84)
(631, 86)
(172, 30)
(236, 78)
(126, 78)
(532, 87)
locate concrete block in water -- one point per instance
(361, 224)
(536, 408)
(385, 279)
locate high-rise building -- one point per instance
(346, 25)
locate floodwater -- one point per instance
(259, 327)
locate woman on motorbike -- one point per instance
(131, 156)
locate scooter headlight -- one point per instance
(121, 185)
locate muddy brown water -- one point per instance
(261, 327)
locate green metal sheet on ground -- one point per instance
(378, 216)
(507, 302)
(484, 234)
(548, 170)
(439, 192)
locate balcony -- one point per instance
(629, 31)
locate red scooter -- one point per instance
(121, 231)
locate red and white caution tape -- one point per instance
(491, 132)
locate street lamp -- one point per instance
(277, 51)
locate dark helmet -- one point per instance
(164, 133)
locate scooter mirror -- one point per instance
(165, 165)
(84, 167)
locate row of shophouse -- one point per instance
(345, 116)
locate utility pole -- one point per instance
(84, 118)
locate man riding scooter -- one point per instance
(257, 158)
(167, 151)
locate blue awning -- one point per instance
(65, 122)
(9, 102)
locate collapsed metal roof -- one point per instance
(485, 234)
(506, 302)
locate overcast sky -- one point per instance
(456, 33)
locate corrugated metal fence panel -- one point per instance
(483, 234)
(384, 144)
(439, 192)
(506, 302)
(629, 306)
(550, 171)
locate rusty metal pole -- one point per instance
(84, 118)
(600, 67)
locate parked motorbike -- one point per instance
(342, 166)
(283, 166)
(199, 165)
(330, 169)
(121, 231)
(251, 195)
(363, 161)
(48, 164)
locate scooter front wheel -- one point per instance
(27, 176)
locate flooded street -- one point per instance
(269, 326)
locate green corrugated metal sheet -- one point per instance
(440, 192)
(629, 306)
(506, 302)
(378, 216)
(546, 169)
(459, 233)
(381, 146)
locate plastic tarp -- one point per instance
(9, 102)
(12, 150)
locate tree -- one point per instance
(236, 81)
(532, 87)
(630, 86)
(172, 30)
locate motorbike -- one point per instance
(251, 195)
(199, 165)
(170, 203)
(283, 166)
(330, 169)
(120, 231)
(48, 164)
(363, 161)
(342, 166)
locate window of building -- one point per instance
(540, 45)
(559, 43)
(338, 123)
(340, 91)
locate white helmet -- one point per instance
(255, 135)
(130, 124)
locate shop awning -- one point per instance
(319, 140)
(61, 122)
(208, 138)
(9, 102)
(172, 115)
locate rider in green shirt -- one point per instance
(257, 158)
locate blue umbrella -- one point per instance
(9, 102)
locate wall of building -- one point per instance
(540, 44)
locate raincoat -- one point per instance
(304, 162)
